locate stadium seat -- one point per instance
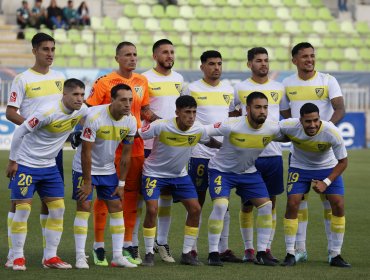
(324, 14)
(103, 62)
(292, 27)
(60, 61)
(67, 50)
(29, 33)
(186, 12)
(144, 11)
(254, 12)
(337, 54)
(172, 11)
(242, 13)
(347, 27)
(276, 3)
(289, 3)
(269, 13)
(322, 54)
(361, 66)
(236, 26)
(315, 40)
(342, 42)
(234, 3)
(261, 3)
(264, 26)
(194, 2)
(208, 25)
(282, 54)
(303, 3)
(75, 62)
(130, 11)
(284, 41)
(88, 62)
(200, 12)
(220, 2)
(158, 11)
(109, 23)
(278, 26)
(166, 24)
(273, 41)
(227, 12)
(346, 66)
(109, 50)
(310, 14)
(331, 66)
(96, 23)
(222, 26)
(195, 25)
(74, 36)
(365, 54)
(145, 63)
(319, 26)
(182, 52)
(283, 13)
(362, 27)
(180, 25)
(102, 37)
(316, 3)
(84, 50)
(124, 23)
(87, 36)
(239, 53)
(60, 35)
(356, 42)
(207, 2)
(329, 42)
(296, 13)
(306, 27)
(138, 24)
(333, 27)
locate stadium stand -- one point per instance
(231, 26)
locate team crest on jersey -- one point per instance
(266, 140)
(149, 192)
(122, 132)
(191, 139)
(13, 97)
(33, 122)
(178, 87)
(289, 188)
(322, 147)
(59, 85)
(227, 98)
(319, 92)
(218, 189)
(145, 128)
(139, 90)
(198, 182)
(24, 190)
(87, 133)
(274, 96)
(73, 123)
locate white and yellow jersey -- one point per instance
(320, 90)
(274, 92)
(213, 105)
(31, 89)
(50, 127)
(106, 133)
(171, 147)
(314, 152)
(163, 92)
(242, 144)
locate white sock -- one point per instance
(164, 218)
(224, 239)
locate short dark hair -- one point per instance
(116, 88)
(185, 101)
(123, 44)
(209, 54)
(38, 38)
(308, 108)
(255, 95)
(300, 46)
(254, 51)
(73, 83)
(160, 43)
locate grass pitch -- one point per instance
(356, 245)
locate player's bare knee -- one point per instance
(84, 206)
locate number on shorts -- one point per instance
(26, 180)
(200, 170)
(218, 180)
(150, 183)
(80, 182)
(293, 177)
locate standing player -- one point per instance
(165, 86)
(36, 86)
(270, 162)
(215, 102)
(233, 166)
(126, 58)
(166, 167)
(93, 165)
(323, 90)
(36, 143)
(318, 159)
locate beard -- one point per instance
(166, 66)
(258, 119)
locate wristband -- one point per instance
(327, 181)
(121, 183)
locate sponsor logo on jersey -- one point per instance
(240, 139)
(36, 88)
(202, 97)
(139, 90)
(319, 92)
(91, 92)
(227, 98)
(87, 133)
(156, 88)
(292, 92)
(274, 96)
(322, 147)
(13, 97)
(105, 131)
(33, 122)
(266, 140)
(24, 191)
(217, 125)
(59, 85)
(178, 87)
(145, 128)
(191, 139)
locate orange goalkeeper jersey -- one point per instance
(100, 94)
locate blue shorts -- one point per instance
(299, 181)
(147, 152)
(181, 187)
(105, 185)
(59, 163)
(272, 172)
(46, 181)
(198, 171)
(248, 185)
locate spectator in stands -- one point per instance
(165, 3)
(83, 13)
(70, 14)
(55, 15)
(342, 5)
(23, 15)
(38, 14)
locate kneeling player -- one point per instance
(318, 159)
(166, 167)
(93, 165)
(36, 143)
